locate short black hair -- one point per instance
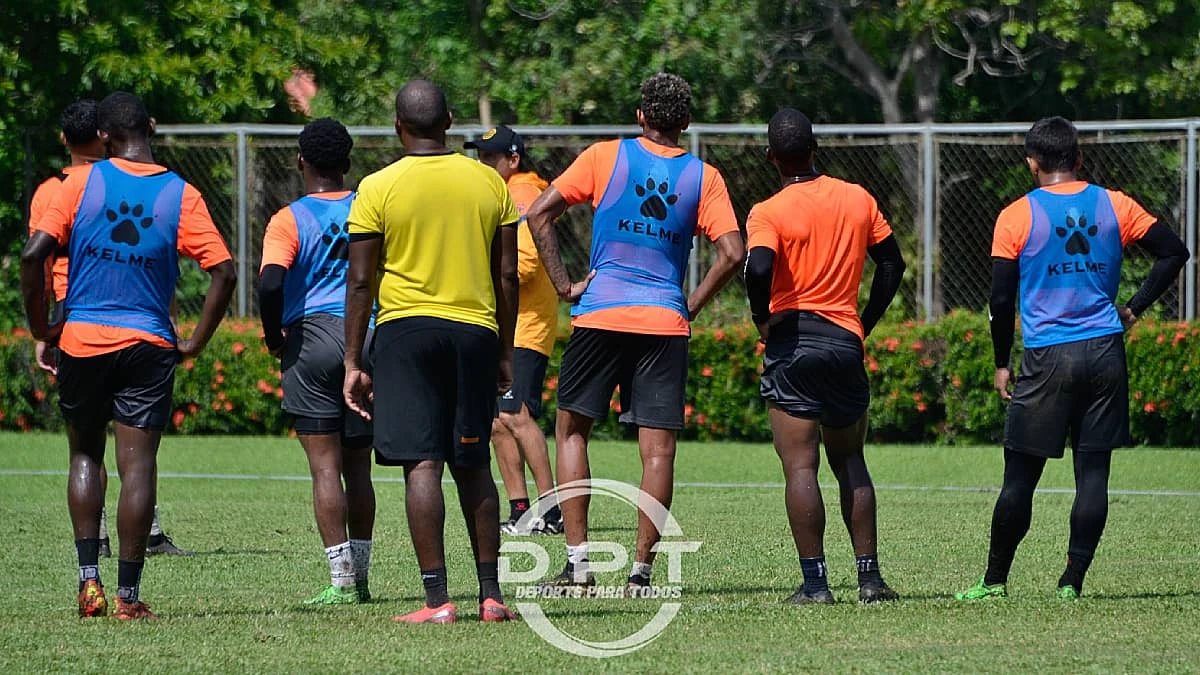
(1054, 143)
(790, 136)
(666, 102)
(325, 144)
(122, 115)
(79, 122)
(421, 107)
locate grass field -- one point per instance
(236, 606)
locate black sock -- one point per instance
(1088, 515)
(1077, 567)
(868, 569)
(517, 508)
(129, 578)
(489, 584)
(815, 580)
(1014, 510)
(434, 581)
(88, 552)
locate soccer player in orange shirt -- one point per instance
(808, 245)
(1061, 246)
(124, 222)
(516, 434)
(302, 300)
(632, 319)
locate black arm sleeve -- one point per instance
(270, 304)
(1006, 276)
(889, 271)
(760, 264)
(1170, 253)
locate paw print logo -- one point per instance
(336, 238)
(1077, 227)
(126, 231)
(655, 206)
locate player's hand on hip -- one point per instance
(575, 292)
(359, 392)
(189, 348)
(1128, 318)
(46, 360)
(764, 331)
(1001, 383)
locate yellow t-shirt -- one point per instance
(438, 215)
(538, 315)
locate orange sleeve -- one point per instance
(56, 221)
(1012, 230)
(523, 196)
(759, 230)
(715, 217)
(43, 196)
(578, 183)
(199, 238)
(281, 242)
(880, 228)
(1132, 219)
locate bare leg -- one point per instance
(571, 432)
(658, 481)
(532, 444)
(324, 453)
(85, 485)
(508, 458)
(797, 444)
(844, 449)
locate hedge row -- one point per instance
(929, 382)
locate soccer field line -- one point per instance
(678, 484)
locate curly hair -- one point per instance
(325, 144)
(666, 102)
(79, 122)
(1054, 143)
(122, 115)
(790, 136)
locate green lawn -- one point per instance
(235, 607)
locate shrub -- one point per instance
(929, 383)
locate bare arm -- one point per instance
(216, 303)
(730, 253)
(37, 251)
(506, 286)
(549, 206)
(361, 282)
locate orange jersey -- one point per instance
(537, 316)
(1016, 220)
(43, 197)
(586, 181)
(819, 230)
(198, 239)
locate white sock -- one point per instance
(341, 565)
(103, 524)
(577, 556)
(641, 569)
(154, 529)
(360, 550)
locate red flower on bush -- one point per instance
(701, 419)
(956, 382)
(238, 348)
(759, 348)
(917, 396)
(1137, 395)
(193, 408)
(218, 366)
(220, 378)
(189, 364)
(177, 418)
(718, 335)
(23, 422)
(1179, 337)
(278, 392)
(917, 345)
(39, 395)
(216, 406)
(921, 407)
(552, 383)
(969, 335)
(1160, 339)
(891, 344)
(264, 387)
(688, 409)
(228, 406)
(707, 372)
(1149, 407)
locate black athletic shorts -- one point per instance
(650, 370)
(313, 376)
(1078, 389)
(132, 386)
(435, 391)
(813, 369)
(529, 375)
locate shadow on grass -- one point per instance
(222, 551)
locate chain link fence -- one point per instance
(940, 186)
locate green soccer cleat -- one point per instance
(981, 591)
(334, 595)
(1067, 592)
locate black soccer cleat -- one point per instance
(569, 578)
(802, 597)
(872, 592)
(161, 544)
(550, 526)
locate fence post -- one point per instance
(694, 259)
(243, 237)
(928, 206)
(1189, 274)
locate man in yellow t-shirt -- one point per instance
(433, 241)
(515, 433)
